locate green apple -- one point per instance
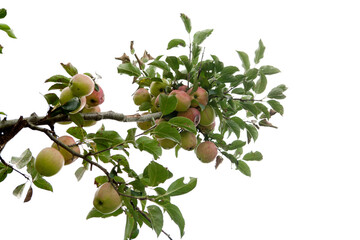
(67, 140)
(96, 109)
(145, 125)
(188, 140)
(207, 116)
(81, 85)
(200, 96)
(96, 97)
(207, 129)
(166, 143)
(66, 95)
(140, 96)
(157, 87)
(49, 161)
(107, 199)
(206, 151)
(183, 100)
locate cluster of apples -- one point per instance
(89, 94)
(190, 104)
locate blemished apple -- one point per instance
(96, 109)
(49, 161)
(206, 151)
(166, 143)
(107, 199)
(157, 87)
(192, 113)
(184, 100)
(207, 129)
(96, 97)
(66, 95)
(188, 140)
(200, 96)
(67, 140)
(140, 96)
(81, 85)
(207, 116)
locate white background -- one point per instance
(305, 188)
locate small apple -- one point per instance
(68, 157)
(184, 100)
(200, 96)
(107, 199)
(166, 143)
(140, 96)
(95, 98)
(81, 85)
(206, 151)
(49, 161)
(207, 116)
(66, 95)
(207, 129)
(96, 109)
(157, 87)
(192, 113)
(188, 140)
(145, 125)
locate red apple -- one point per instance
(206, 151)
(199, 96)
(192, 113)
(67, 140)
(207, 129)
(184, 100)
(188, 140)
(95, 98)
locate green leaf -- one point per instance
(263, 109)
(268, 70)
(175, 215)
(129, 69)
(96, 214)
(156, 173)
(231, 157)
(1, 48)
(23, 160)
(252, 131)
(130, 223)
(3, 13)
(3, 173)
(72, 104)
(200, 36)
(51, 99)
(239, 122)
(229, 70)
(145, 106)
(165, 130)
(259, 53)
(77, 132)
(42, 183)
(150, 145)
(175, 43)
(186, 21)
(173, 62)
(19, 190)
(184, 123)
(70, 69)
(260, 85)
(160, 64)
(234, 127)
(249, 106)
(79, 173)
(185, 60)
(58, 79)
(253, 156)
(277, 92)
(236, 144)
(251, 74)
(179, 187)
(7, 29)
(167, 103)
(276, 106)
(130, 138)
(245, 60)
(156, 218)
(244, 168)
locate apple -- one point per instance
(200, 96)
(206, 151)
(166, 143)
(188, 140)
(184, 100)
(157, 87)
(66, 95)
(107, 199)
(207, 129)
(192, 113)
(95, 98)
(183, 88)
(144, 125)
(81, 85)
(141, 95)
(67, 140)
(49, 161)
(207, 116)
(96, 109)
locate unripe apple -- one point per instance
(66, 95)
(199, 96)
(95, 98)
(49, 161)
(192, 113)
(188, 140)
(144, 125)
(67, 140)
(184, 100)
(81, 85)
(107, 199)
(206, 151)
(166, 143)
(207, 116)
(140, 96)
(88, 123)
(157, 87)
(207, 129)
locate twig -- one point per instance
(8, 165)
